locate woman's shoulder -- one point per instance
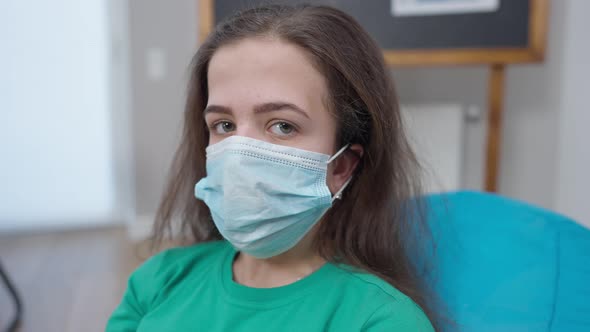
(164, 273)
(392, 308)
(167, 267)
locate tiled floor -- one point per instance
(68, 281)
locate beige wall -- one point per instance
(573, 169)
(169, 26)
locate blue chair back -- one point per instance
(504, 265)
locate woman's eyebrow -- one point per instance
(279, 106)
(216, 109)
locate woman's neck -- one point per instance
(286, 268)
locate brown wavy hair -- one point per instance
(378, 226)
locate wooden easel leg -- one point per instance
(494, 136)
(206, 19)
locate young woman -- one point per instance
(296, 184)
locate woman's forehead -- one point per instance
(259, 70)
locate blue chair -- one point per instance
(503, 265)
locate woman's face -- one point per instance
(267, 89)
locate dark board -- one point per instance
(516, 32)
(506, 27)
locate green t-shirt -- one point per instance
(192, 289)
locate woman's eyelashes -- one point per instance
(282, 129)
(222, 127)
(278, 128)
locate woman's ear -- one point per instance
(343, 167)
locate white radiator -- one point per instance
(435, 132)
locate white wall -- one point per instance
(56, 147)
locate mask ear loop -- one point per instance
(338, 194)
(337, 154)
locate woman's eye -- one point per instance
(224, 127)
(282, 129)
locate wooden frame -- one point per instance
(496, 58)
(533, 53)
